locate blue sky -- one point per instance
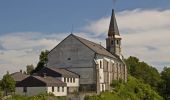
(60, 15)
(29, 26)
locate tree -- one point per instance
(8, 83)
(43, 59)
(165, 75)
(143, 71)
(29, 68)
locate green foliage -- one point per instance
(43, 59)
(134, 89)
(165, 85)
(41, 96)
(114, 83)
(29, 68)
(7, 83)
(1, 95)
(143, 71)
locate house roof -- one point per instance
(18, 76)
(38, 81)
(57, 72)
(64, 72)
(99, 49)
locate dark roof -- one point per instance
(99, 49)
(64, 72)
(57, 72)
(38, 81)
(18, 76)
(113, 28)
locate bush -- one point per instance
(134, 89)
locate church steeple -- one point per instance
(113, 41)
(113, 28)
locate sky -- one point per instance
(29, 26)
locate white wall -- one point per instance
(110, 61)
(56, 92)
(71, 84)
(31, 91)
(102, 88)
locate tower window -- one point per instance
(117, 41)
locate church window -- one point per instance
(112, 67)
(107, 66)
(100, 64)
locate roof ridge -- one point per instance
(111, 55)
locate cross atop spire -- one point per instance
(113, 28)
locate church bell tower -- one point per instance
(113, 41)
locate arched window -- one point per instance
(100, 64)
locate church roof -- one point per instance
(99, 49)
(113, 28)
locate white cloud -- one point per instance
(21, 49)
(146, 34)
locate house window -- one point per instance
(62, 89)
(73, 80)
(112, 42)
(52, 88)
(67, 79)
(64, 79)
(100, 64)
(58, 89)
(24, 89)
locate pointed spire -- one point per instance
(113, 28)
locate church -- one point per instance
(96, 65)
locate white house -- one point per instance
(34, 85)
(66, 76)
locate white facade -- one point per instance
(109, 70)
(71, 82)
(58, 91)
(31, 91)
